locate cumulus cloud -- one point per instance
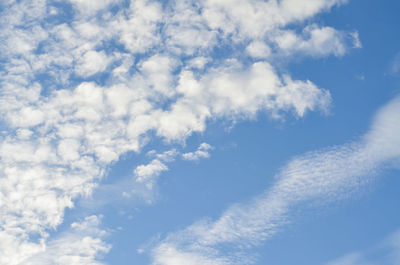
(201, 152)
(316, 41)
(84, 82)
(148, 173)
(90, 7)
(320, 176)
(258, 49)
(91, 63)
(144, 172)
(82, 244)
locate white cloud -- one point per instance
(154, 169)
(149, 173)
(258, 49)
(316, 41)
(90, 7)
(143, 189)
(187, 31)
(229, 91)
(68, 149)
(169, 255)
(321, 176)
(293, 10)
(28, 117)
(82, 244)
(165, 79)
(356, 39)
(255, 19)
(92, 63)
(201, 152)
(198, 62)
(158, 73)
(139, 32)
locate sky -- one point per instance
(211, 132)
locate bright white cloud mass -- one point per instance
(84, 82)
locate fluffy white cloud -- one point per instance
(140, 31)
(145, 172)
(92, 63)
(163, 75)
(148, 173)
(322, 176)
(89, 7)
(294, 10)
(201, 152)
(82, 244)
(316, 41)
(258, 49)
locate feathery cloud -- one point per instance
(326, 175)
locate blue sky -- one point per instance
(199, 132)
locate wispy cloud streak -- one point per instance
(384, 253)
(320, 176)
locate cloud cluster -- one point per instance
(320, 176)
(82, 244)
(83, 82)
